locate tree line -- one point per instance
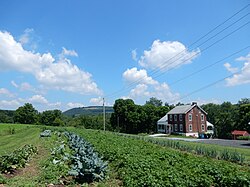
(131, 118)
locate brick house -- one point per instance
(189, 120)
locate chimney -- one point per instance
(194, 103)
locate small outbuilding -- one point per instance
(237, 133)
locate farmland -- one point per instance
(131, 162)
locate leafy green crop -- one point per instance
(46, 133)
(16, 159)
(140, 163)
(86, 163)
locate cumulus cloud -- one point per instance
(167, 55)
(60, 75)
(243, 77)
(66, 52)
(75, 105)
(134, 75)
(134, 55)
(25, 37)
(162, 91)
(96, 101)
(9, 104)
(230, 68)
(6, 92)
(38, 99)
(139, 91)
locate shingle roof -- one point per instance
(183, 109)
(163, 119)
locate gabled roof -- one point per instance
(209, 124)
(164, 119)
(183, 109)
(241, 133)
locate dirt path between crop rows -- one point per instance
(31, 170)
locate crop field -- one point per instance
(75, 157)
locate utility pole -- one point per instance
(103, 114)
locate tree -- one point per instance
(154, 101)
(244, 101)
(244, 117)
(26, 114)
(51, 117)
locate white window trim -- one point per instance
(202, 127)
(180, 117)
(175, 117)
(181, 127)
(202, 117)
(190, 117)
(170, 117)
(190, 125)
(175, 127)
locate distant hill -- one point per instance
(90, 110)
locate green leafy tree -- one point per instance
(51, 117)
(244, 117)
(154, 101)
(26, 114)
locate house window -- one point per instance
(190, 117)
(203, 127)
(180, 117)
(175, 117)
(170, 117)
(209, 128)
(175, 127)
(190, 127)
(181, 127)
(202, 117)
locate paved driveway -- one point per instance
(231, 143)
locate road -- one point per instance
(222, 142)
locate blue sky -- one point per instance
(64, 54)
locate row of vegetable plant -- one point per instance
(77, 156)
(141, 163)
(232, 156)
(17, 159)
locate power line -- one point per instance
(164, 66)
(208, 66)
(204, 87)
(217, 41)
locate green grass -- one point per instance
(23, 134)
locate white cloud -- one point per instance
(14, 84)
(161, 91)
(9, 104)
(6, 92)
(25, 37)
(37, 99)
(139, 76)
(61, 75)
(243, 77)
(66, 52)
(97, 101)
(167, 55)
(230, 68)
(139, 91)
(75, 105)
(134, 55)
